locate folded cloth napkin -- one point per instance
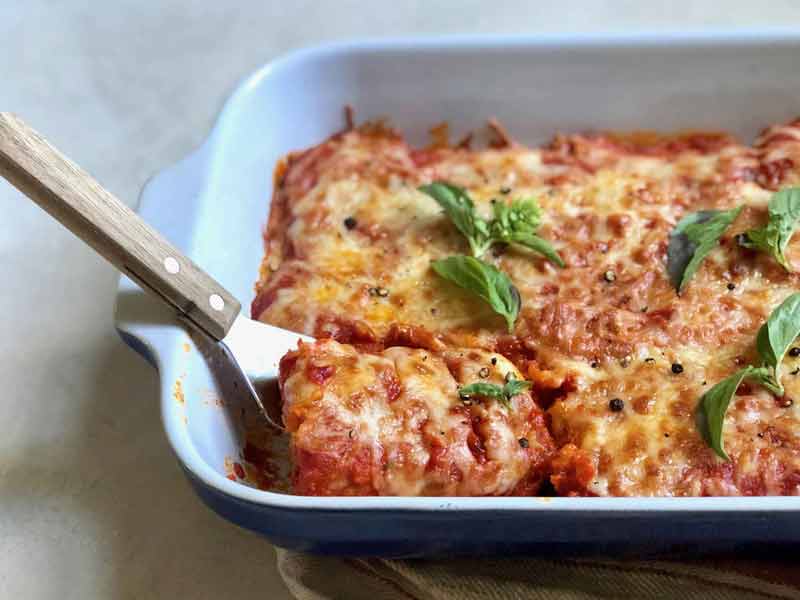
(321, 578)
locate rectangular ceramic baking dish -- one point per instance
(214, 203)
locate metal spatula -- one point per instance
(115, 232)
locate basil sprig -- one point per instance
(514, 224)
(692, 239)
(784, 218)
(773, 340)
(777, 334)
(484, 280)
(517, 223)
(502, 393)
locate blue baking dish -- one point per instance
(214, 203)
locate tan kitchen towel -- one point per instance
(321, 578)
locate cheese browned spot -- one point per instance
(391, 423)
(583, 337)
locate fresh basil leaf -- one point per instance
(784, 218)
(681, 249)
(490, 390)
(460, 209)
(540, 245)
(777, 335)
(714, 403)
(692, 239)
(484, 280)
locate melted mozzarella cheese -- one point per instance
(583, 337)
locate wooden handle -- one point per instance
(79, 203)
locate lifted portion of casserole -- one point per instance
(392, 423)
(617, 358)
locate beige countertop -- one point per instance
(92, 502)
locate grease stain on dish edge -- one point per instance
(177, 392)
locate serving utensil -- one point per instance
(114, 231)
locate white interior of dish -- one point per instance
(214, 204)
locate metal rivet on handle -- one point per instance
(216, 302)
(171, 265)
